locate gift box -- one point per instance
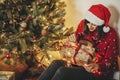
(68, 49)
(7, 75)
(86, 51)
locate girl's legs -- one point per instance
(50, 71)
(73, 73)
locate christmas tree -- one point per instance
(27, 25)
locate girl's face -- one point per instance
(92, 27)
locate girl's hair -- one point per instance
(99, 29)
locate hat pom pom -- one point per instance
(106, 29)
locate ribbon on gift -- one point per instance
(85, 51)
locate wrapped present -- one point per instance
(46, 57)
(68, 49)
(7, 75)
(86, 52)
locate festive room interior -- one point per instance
(33, 33)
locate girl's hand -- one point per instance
(92, 67)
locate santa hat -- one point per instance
(99, 15)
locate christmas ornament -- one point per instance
(8, 56)
(43, 32)
(23, 26)
(28, 18)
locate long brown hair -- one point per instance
(99, 29)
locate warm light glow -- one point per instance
(1, 1)
(72, 16)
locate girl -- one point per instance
(93, 28)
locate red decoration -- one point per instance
(28, 18)
(8, 56)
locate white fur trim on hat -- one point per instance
(94, 19)
(106, 29)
